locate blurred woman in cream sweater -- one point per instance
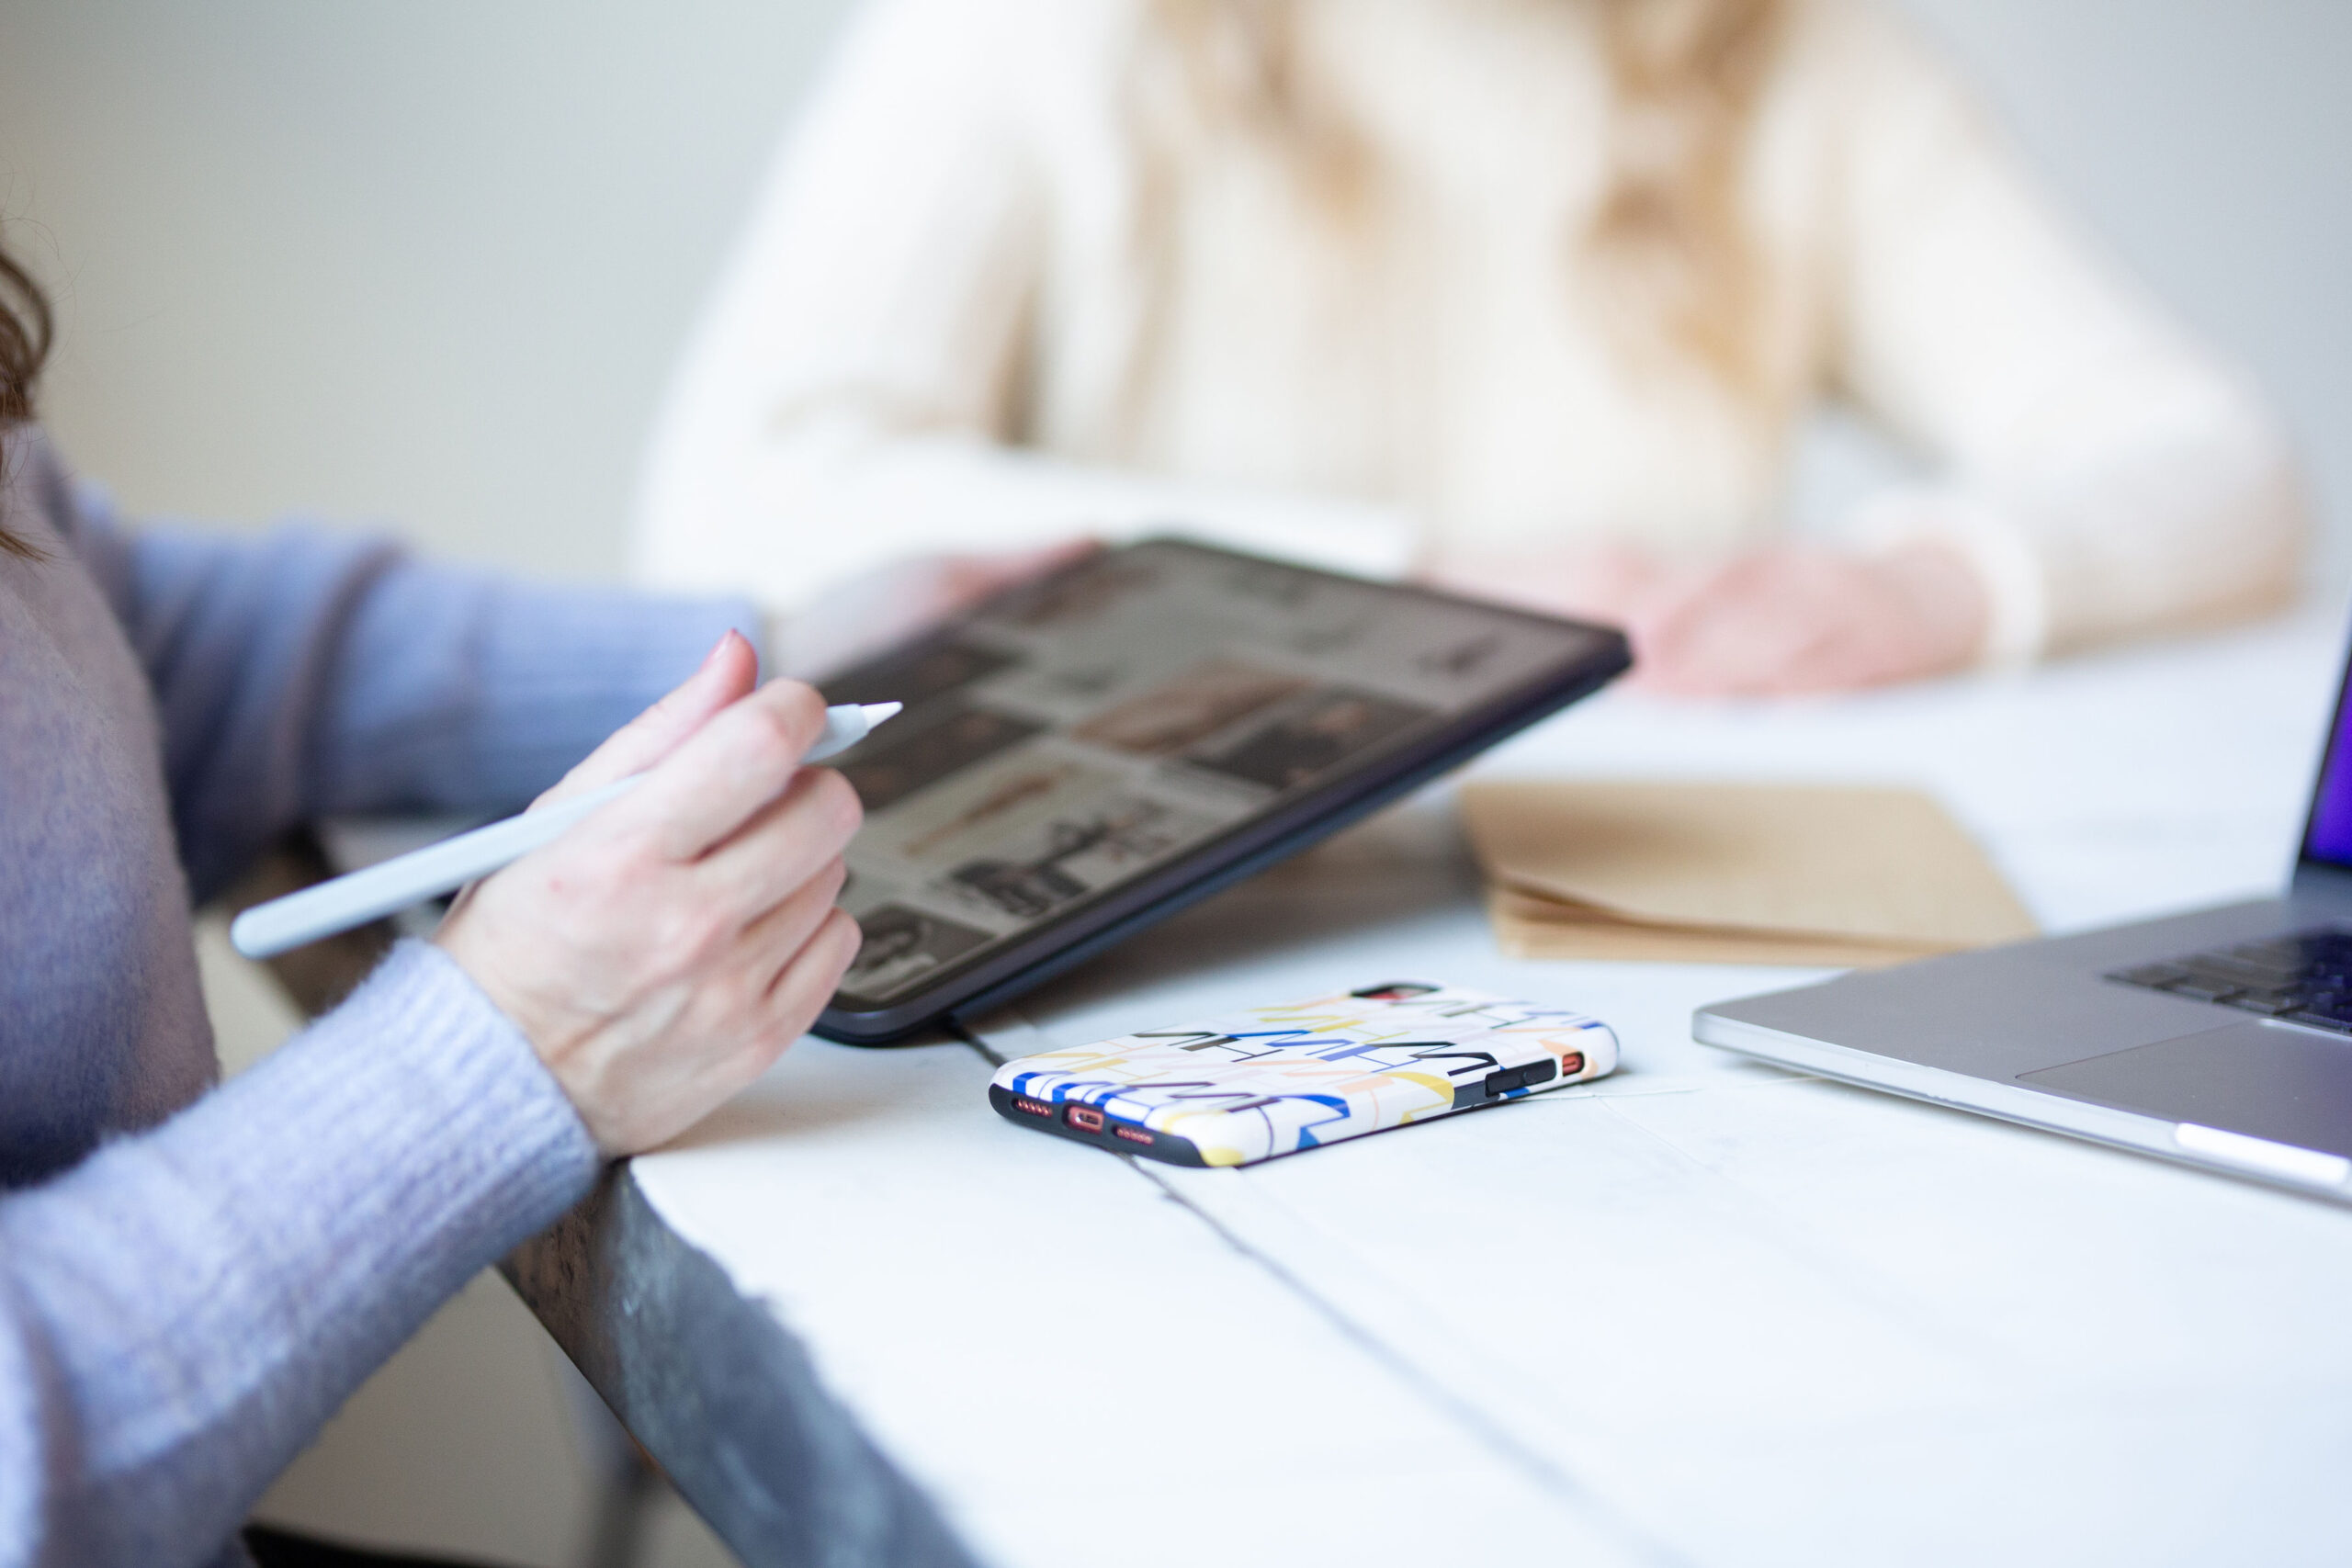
(1529, 296)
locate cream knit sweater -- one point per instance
(934, 335)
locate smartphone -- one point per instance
(1274, 1080)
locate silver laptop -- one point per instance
(2222, 1038)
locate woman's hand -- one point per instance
(660, 954)
(1788, 619)
(864, 614)
(1806, 618)
(1607, 582)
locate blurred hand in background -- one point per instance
(1779, 621)
(892, 603)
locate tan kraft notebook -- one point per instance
(1732, 873)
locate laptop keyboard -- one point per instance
(2305, 978)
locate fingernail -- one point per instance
(729, 635)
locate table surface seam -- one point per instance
(1464, 1413)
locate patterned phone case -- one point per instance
(1277, 1080)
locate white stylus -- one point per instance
(267, 930)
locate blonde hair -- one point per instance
(1668, 233)
(1668, 228)
(1238, 64)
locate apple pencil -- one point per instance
(267, 930)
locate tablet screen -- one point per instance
(1086, 729)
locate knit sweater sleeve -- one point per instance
(2106, 477)
(180, 1312)
(308, 672)
(854, 389)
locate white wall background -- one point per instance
(427, 263)
(2210, 142)
(423, 262)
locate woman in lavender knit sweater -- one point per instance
(192, 1277)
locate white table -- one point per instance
(1701, 1311)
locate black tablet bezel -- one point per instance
(1354, 791)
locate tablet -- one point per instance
(1086, 754)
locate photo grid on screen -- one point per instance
(1085, 731)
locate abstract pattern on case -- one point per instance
(1274, 1080)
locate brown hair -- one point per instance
(1667, 230)
(25, 328)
